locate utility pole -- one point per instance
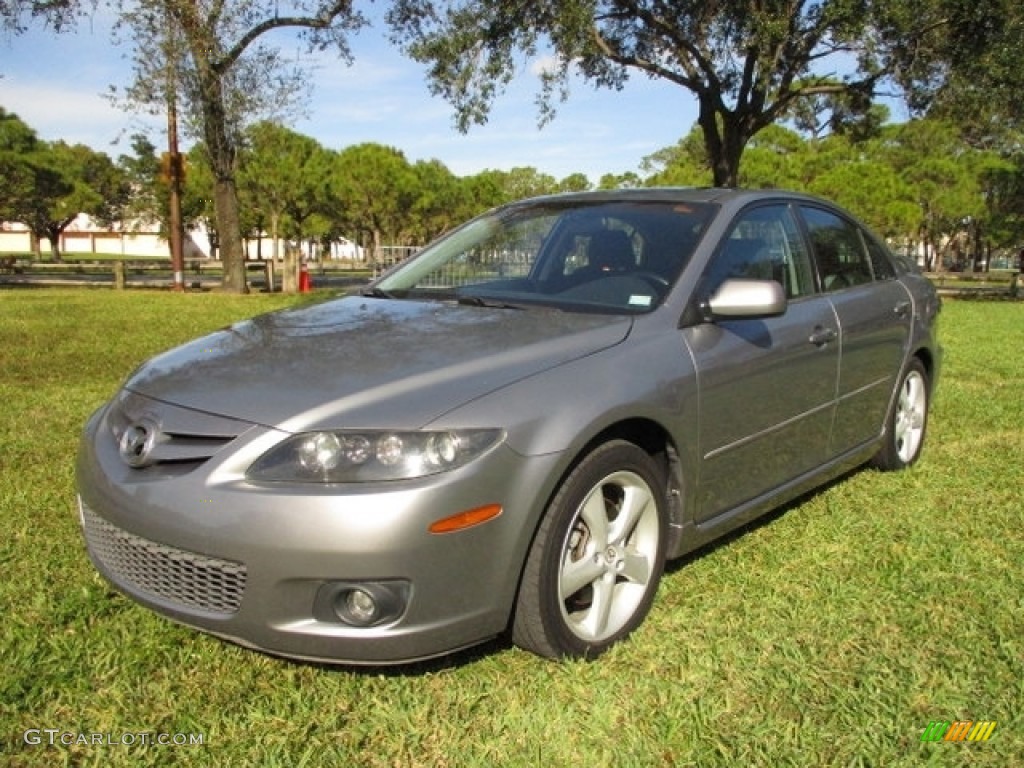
(177, 233)
(175, 165)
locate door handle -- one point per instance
(822, 336)
(902, 309)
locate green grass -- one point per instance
(829, 634)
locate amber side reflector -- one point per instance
(465, 519)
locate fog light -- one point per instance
(358, 607)
(362, 603)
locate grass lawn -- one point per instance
(832, 633)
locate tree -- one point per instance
(147, 202)
(628, 180)
(929, 157)
(1004, 193)
(284, 178)
(574, 182)
(215, 58)
(286, 181)
(57, 13)
(964, 68)
(486, 189)
(517, 183)
(148, 197)
(748, 62)
(683, 165)
(776, 157)
(375, 188)
(17, 143)
(849, 113)
(914, 183)
(60, 181)
(214, 55)
(875, 191)
(441, 202)
(958, 59)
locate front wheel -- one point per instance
(597, 558)
(905, 431)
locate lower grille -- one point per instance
(185, 578)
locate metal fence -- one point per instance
(479, 266)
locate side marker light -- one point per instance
(466, 519)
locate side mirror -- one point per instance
(738, 298)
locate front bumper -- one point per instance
(252, 564)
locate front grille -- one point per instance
(182, 438)
(188, 579)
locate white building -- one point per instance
(83, 237)
(140, 240)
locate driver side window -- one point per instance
(764, 244)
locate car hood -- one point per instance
(368, 363)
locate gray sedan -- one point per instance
(511, 432)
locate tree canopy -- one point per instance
(46, 185)
(214, 56)
(920, 184)
(749, 63)
(757, 68)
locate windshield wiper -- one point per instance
(480, 301)
(473, 300)
(374, 292)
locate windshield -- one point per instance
(580, 256)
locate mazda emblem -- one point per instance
(137, 443)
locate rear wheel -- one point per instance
(595, 564)
(904, 434)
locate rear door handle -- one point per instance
(902, 309)
(822, 336)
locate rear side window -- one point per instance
(839, 250)
(880, 261)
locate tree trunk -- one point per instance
(222, 152)
(275, 218)
(723, 143)
(290, 269)
(229, 230)
(53, 235)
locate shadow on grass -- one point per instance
(761, 521)
(452, 660)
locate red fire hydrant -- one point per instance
(304, 282)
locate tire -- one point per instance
(598, 555)
(907, 422)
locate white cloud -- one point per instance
(69, 112)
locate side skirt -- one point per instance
(695, 535)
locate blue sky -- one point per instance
(55, 83)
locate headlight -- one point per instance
(357, 457)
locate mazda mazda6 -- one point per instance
(510, 433)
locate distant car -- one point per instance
(512, 431)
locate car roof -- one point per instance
(717, 195)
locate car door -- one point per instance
(874, 312)
(766, 385)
